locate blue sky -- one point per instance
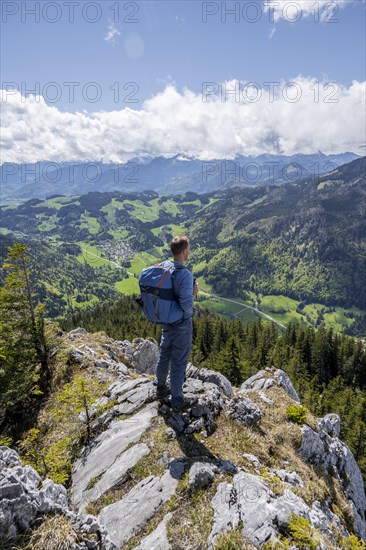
(168, 52)
(177, 46)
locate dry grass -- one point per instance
(55, 533)
(232, 540)
(191, 523)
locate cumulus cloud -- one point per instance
(321, 10)
(230, 118)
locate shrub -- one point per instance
(353, 543)
(302, 533)
(296, 413)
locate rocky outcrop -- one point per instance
(249, 495)
(205, 403)
(158, 539)
(142, 354)
(267, 378)
(335, 457)
(25, 499)
(263, 514)
(207, 375)
(331, 423)
(201, 474)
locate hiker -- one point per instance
(176, 341)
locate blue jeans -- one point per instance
(175, 347)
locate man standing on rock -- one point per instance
(176, 341)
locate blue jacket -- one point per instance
(183, 287)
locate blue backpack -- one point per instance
(158, 300)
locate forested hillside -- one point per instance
(306, 240)
(298, 250)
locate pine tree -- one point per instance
(228, 362)
(24, 371)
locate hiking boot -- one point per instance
(162, 391)
(183, 405)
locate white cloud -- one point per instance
(293, 11)
(174, 122)
(112, 32)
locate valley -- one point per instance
(277, 252)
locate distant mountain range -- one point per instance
(174, 175)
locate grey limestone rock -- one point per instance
(130, 394)
(289, 477)
(265, 398)
(115, 473)
(268, 377)
(137, 507)
(332, 454)
(77, 332)
(263, 514)
(107, 448)
(330, 423)
(116, 367)
(253, 459)
(204, 403)
(201, 474)
(26, 499)
(207, 375)
(145, 355)
(244, 411)
(157, 539)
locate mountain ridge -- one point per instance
(246, 465)
(166, 175)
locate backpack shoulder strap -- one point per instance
(175, 270)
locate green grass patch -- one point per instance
(50, 223)
(121, 234)
(52, 288)
(91, 255)
(90, 223)
(57, 202)
(200, 266)
(169, 206)
(281, 308)
(93, 300)
(129, 286)
(172, 227)
(144, 212)
(257, 201)
(144, 259)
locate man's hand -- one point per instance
(195, 289)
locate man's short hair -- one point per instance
(178, 244)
